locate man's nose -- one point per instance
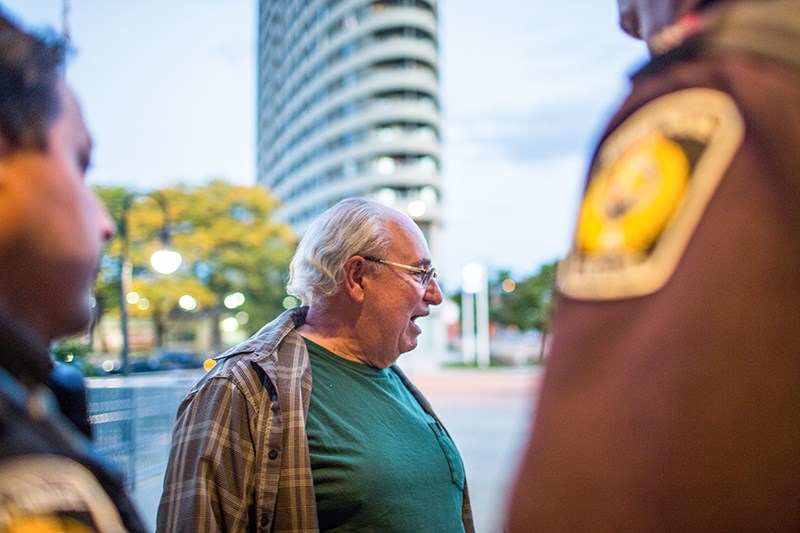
(433, 293)
(104, 221)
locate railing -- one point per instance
(132, 419)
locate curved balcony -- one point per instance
(365, 119)
(363, 159)
(370, 79)
(370, 147)
(384, 50)
(352, 108)
(372, 109)
(315, 48)
(369, 186)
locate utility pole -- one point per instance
(66, 5)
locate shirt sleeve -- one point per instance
(209, 482)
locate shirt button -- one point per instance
(273, 454)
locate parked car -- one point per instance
(160, 360)
(178, 359)
(147, 365)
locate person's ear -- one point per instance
(354, 270)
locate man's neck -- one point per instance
(335, 326)
(328, 325)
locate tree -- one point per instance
(227, 238)
(529, 305)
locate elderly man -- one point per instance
(259, 445)
(52, 228)
(670, 401)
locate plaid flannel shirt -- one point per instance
(239, 459)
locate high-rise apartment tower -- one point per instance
(348, 105)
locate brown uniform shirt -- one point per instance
(671, 400)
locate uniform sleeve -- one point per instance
(209, 479)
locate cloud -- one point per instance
(508, 215)
(526, 90)
(528, 135)
(169, 93)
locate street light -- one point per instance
(475, 315)
(164, 261)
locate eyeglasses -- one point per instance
(425, 275)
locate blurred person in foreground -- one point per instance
(260, 445)
(52, 228)
(670, 400)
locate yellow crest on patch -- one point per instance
(648, 187)
(630, 201)
(49, 493)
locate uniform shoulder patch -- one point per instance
(46, 493)
(648, 187)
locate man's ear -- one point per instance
(353, 284)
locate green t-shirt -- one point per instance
(379, 461)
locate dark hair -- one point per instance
(30, 67)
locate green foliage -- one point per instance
(226, 235)
(73, 351)
(529, 306)
(69, 348)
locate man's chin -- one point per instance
(409, 345)
(74, 322)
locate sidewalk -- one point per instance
(487, 412)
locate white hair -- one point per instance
(350, 227)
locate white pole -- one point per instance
(468, 341)
(473, 279)
(482, 312)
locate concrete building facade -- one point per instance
(348, 105)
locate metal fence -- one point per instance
(132, 419)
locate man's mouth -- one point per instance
(415, 317)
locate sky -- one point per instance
(168, 89)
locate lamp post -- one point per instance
(165, 260)
(475, 315)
